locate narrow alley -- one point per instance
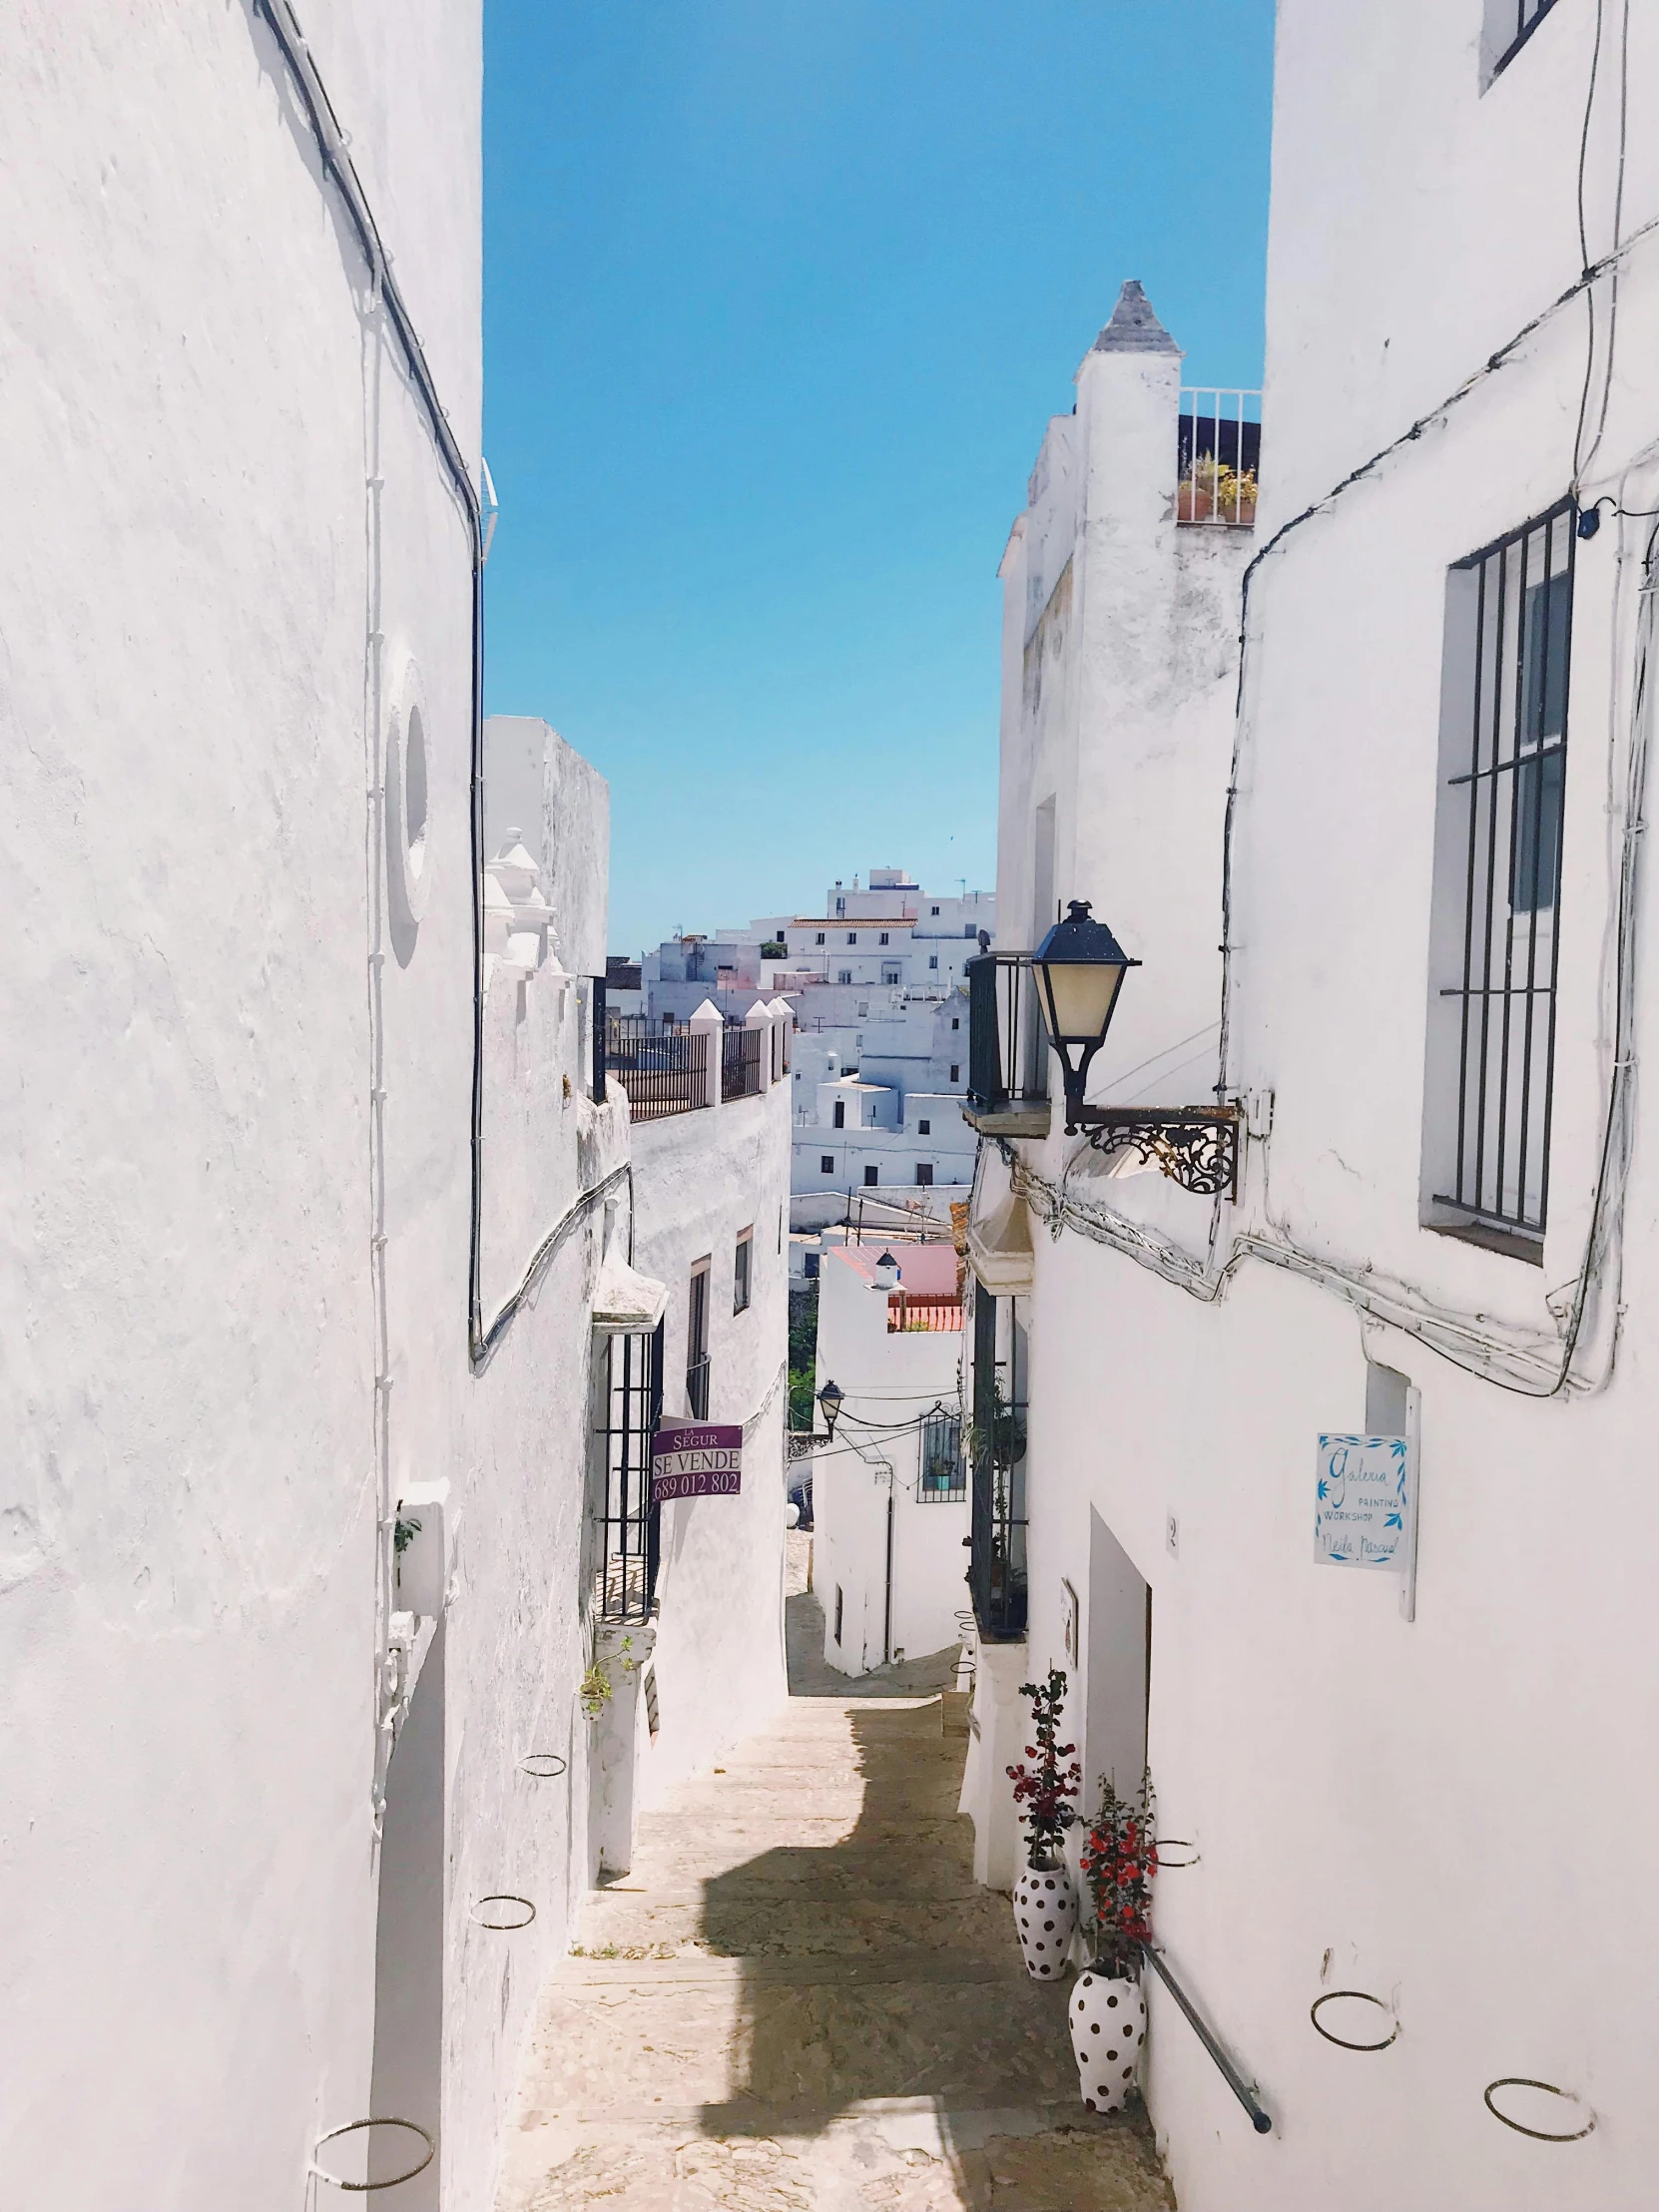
(799, 1998)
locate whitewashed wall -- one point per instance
(699, 1178)
(1446, 1811)
(191, 1640)
(889, 1381)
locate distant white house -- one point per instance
(889, 1492)
(877, 982)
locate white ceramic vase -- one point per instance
(1045, 1915)
(1108, 2035)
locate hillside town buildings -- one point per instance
(876, 984)
(1355, 1180)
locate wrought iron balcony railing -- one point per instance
(663, 1070)
(1008, 1047)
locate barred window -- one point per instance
(1498, 878)
(943, 1470)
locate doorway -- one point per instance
(408, 1945)
(1117, 1646)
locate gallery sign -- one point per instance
(695, 1458)
(1363, 1504)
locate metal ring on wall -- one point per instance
(1364, 1996)
(542, 1766)
(1162, 1843)
(350, 2128)
(502, 1897)
(1539, 2134)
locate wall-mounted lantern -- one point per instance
(1079, 970)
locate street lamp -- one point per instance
(830, 1397)
(1080, 968)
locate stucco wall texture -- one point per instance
(195, 1527)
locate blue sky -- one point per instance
(778, 301)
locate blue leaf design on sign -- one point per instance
(1393, 1521)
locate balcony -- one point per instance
(740, 1063)
(1218, 456)
(1008, 1089)
(996, 1462)
(664, 1070)
(931, 1313)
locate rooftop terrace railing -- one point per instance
(663, 1070)
(1218, 456)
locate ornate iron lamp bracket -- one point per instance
(804, 1442)
(1197, 1147)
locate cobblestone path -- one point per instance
(800, 2000)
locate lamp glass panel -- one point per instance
(1081, 996)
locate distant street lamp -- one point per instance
(830, 1397)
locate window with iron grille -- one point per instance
(827, 1163)
(1508, 26)
(741, 1269)
(872, 1177)
(843, 975)
(925, 1128)
(943, 1470)
(883, 938)
(696, 1343)
(924, 1174)
(1494, 942)
(631, 1407)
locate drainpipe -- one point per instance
(886, 1620)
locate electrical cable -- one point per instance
(333, 150)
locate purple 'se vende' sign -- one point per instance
(695, 1458)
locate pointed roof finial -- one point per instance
(1134, 327)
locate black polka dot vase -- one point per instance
(1045, 1915)
(1108, 2035)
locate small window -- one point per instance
(696, 1343)
(827, 1163)
(742, 1270)
(883, 938)
(837, 1114)
(871, 1177)
(955, 1021)
(1497, 872)
(932, 960)
(925, 1128)
(853, 937)
(839, 1603)
(1508, 26)
(924, 1173)
(943, 1467)
(955, 1071)
(891, 973)
(968, 929)
(932, 909)
(843, 975)
(811, 1263)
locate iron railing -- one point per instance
(1527, 14)
(663, 1071)
(937, 1312)
(697, 1387)
(996, 1450)
(630, 1521)
(1507, 790)
(601, 1037)
(1008, 1047)
(1242, 2089)
(1218, 456)
(740, 1062)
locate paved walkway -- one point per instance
(800, 2000)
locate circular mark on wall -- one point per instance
(1360, 2042)
(1570, 2106)
(503, 1911)
(408, 802)
(353, 2127)
(545, 1766)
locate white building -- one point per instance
(877, 985)
(889, 1496)
(312, 1203)
(1433, 1793)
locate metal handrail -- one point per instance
(1230, 2073)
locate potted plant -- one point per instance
(1108, 2004)
(1045, 1897)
